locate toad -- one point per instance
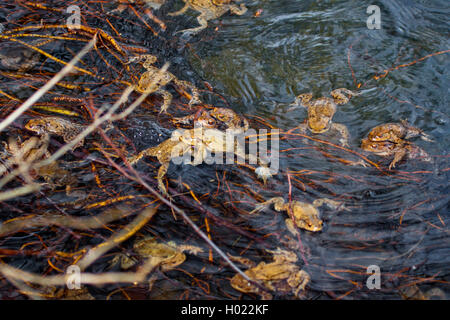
(56, 126)
(282, 275)
(321, 112)
(398, 150)
(15, 57)
(146, 84)
(209, 10)
(219, 118)
(412, 292)
(167, 255)
(396, 132)
(305, 215)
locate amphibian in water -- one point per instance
(146, 84)
(321, 112)
(218, 118)
(15, 57)
(282, 275)
(209, 10)
(305, 215)
(57, 126)
(166, 255)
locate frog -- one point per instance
(281, 275)
(197, 142)
(217, 118)
(321, 112)
(15, 57)
(17, 152)
(396, 132)
(166, 255)
(146, 82)
(209, 10)
(398, 150)
(123, 4)
(216, 141)
(58, 126)
(305, 215)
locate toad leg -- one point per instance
(291, 226)
(343, 131)
(299, 281)
(161, 173)
(399, 155)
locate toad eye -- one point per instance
(374, 146)
(211, 122)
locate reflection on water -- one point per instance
(397, 221)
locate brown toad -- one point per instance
(322, 110)
(166, 255)
(396, 132)
(398, 150)
(305, 215)
(412, 292)
(198, 142)
(282, 275)
(57, 126)
(146, 82)
(219, 118)
(209, 10)
(16, 57)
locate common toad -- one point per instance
(282, 275)
(322, 110)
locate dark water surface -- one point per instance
(256, 64)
